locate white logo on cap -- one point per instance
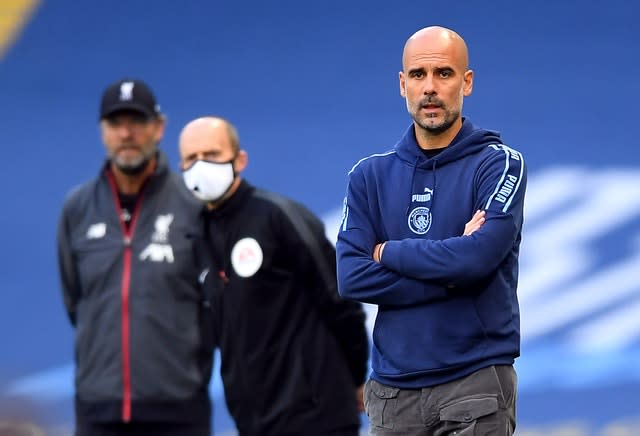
(246, 257)
(126, 91)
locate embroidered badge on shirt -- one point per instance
(420, 220)
(246, 257)
(159, 250)
(97, 231)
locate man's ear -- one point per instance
(402, 84)
(241, 162)
(468, 83)
(161, 123)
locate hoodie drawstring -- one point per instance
(433, 170)
(413, 176)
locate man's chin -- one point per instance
(132, 168)
(436, 127)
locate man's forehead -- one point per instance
(205, 143)
(432, 60)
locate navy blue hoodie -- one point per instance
(447, 303)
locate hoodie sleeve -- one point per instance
(501, 183)
(359, 276)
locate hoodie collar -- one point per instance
(469, 139)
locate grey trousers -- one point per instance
(480, 404)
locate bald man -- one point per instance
(431, 233)
(294, 354)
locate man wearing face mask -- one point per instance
(130, 263)
(294, 354)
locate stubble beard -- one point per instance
(432, 128)
(133, 167)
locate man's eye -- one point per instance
(188, 162)
(445, 74)
(418, 74)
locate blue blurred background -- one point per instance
(312, 88)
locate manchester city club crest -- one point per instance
(420, 220)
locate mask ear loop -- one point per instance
(232, 162)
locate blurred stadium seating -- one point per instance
(312, 87)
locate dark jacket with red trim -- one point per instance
(292, 351)
(135, 301)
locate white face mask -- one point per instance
(209, 180)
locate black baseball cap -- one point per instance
(129, 95)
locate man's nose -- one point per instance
(428, 85)
(125, 130)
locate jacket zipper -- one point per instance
(124, 296)
(124, 302)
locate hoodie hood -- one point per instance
(470, 139)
